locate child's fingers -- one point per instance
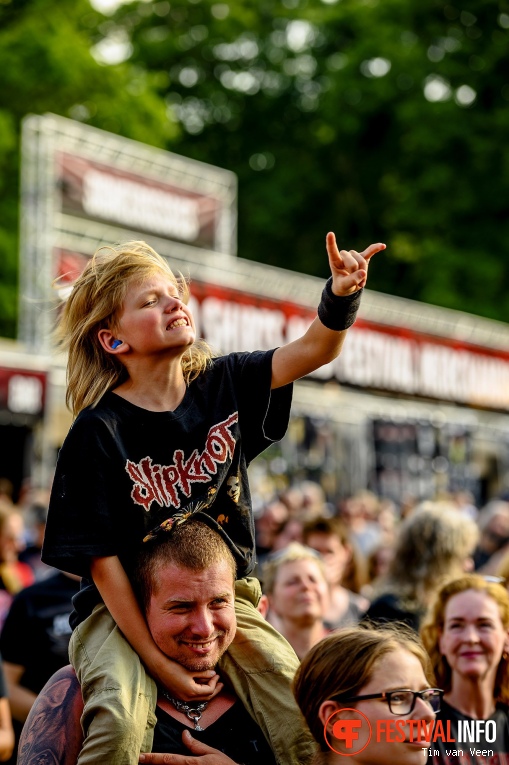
(354, 281)
(333, 251)
(352, 261)
(208, 691)
(372, 250)
(205, 675)
(336, 256)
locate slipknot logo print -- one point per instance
(160, 483)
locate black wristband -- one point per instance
(338, 312)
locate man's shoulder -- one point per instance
(52, 729)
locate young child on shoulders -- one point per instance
(165, 430)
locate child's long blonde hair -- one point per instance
(95, 303)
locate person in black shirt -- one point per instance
(34, 641)
(163, 431)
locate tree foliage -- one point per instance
(47, 66)
(380, 119)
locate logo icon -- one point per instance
(348, 730)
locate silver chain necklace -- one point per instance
(192, 711)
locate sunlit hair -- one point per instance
(432, 545)
(503, 567)
(433, 627)
(355, 574)
(95, 303)
(192, 545)
(343, 663)
(293, 552)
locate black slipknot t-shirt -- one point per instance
(464, 753)
(125, 474)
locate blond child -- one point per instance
(163, 431)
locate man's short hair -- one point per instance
(192, 545)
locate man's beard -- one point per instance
(201, 663)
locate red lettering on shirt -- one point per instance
(170, 477)
(158, 483)
(189, 471)
(143, 492)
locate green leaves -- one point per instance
(384, 120)
(47, 65)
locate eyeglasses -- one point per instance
(401, 702)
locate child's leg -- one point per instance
(260, 664)
(119, 697)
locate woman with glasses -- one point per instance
(466, 635)
(367, 694)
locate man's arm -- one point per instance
(21, 699)
(6, 730)
(52, 732)
(319, 345)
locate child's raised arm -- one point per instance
(323, 340)
(115, 588)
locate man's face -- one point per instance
(191, 614)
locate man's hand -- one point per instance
(186, 684)
(201, 754)
(349, 268)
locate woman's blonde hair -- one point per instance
(293, 552)
(432, 546)
(95, 303)
(343, 663)
(433, 627)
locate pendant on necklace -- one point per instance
(192, 711)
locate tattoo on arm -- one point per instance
(52, 733)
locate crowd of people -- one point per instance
(435, 570)
(150, 546)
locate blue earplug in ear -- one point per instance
(116, 343)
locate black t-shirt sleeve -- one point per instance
(263, 413)
(15, 636)
(83, 517)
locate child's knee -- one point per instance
(248, 591)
